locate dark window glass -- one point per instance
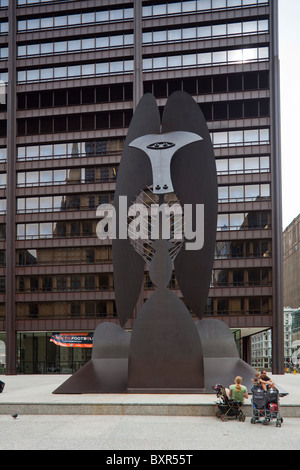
(33, 100)
(128, 91)
(21, 126)
(3, 128)
(102, 120)
(116, 119)
(204, 85)
(235, 109)
(160, 89)
(88, 95)
(220, 111)
(21, 100)
(74, 97)
(88, 122)
(264, 80)
(220, 83)
(32, 126)
(60, 124)
(174, 85)
(127, 117)
(264, 105)
(251, 108)
(102, 94)
(251, 81)
(46, 99)
(235, 82)
(60, 98)
(116, 93)
(189, 85)
(207, 110)
(46, 125)
(74, 123)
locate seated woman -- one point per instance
(238, 392)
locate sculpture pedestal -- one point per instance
(165, 354)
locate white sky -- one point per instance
(289, 51)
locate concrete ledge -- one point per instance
(33, 395)
(142, 409)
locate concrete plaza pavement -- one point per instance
(134, 422)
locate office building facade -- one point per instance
(75, 71)
(291, 264)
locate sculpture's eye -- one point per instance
(160, 145)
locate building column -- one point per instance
(11, 334)
(138, 55)
(278, 330)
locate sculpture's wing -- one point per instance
(134, 174)
(194, 177)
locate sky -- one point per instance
(289, 54)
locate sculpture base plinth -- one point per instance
(167, 391)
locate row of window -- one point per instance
(87, 228)
(236, 249)
(160, 89)
(202, 59)
(244, 193)
(241, 137)
(43, 310)
(120, 119)
(210, 84)
(123, 14)
(107, 309)
(32, 2)
(205, 59)
(104, 281)
(83, 228)
(75, 96)
(187, 5)
(62, 256)
(151, 37)
(241, 277)
(243, 165)
(67, 150)
(65, 283)
(74, 122)
(244, 221)
(101, 174)
(61, 203)
(75, 19)
(239, 306)
(115, 146)
(238, 109)
(243, 249)
(106, 174)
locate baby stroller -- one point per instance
(265, 406)
(226, 408)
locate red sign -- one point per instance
(73, 340)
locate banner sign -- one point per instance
(73, 340)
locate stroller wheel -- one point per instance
(253, 421)
(218, 414)
(224, 418)
(278, 423)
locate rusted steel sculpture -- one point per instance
(166, 163)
